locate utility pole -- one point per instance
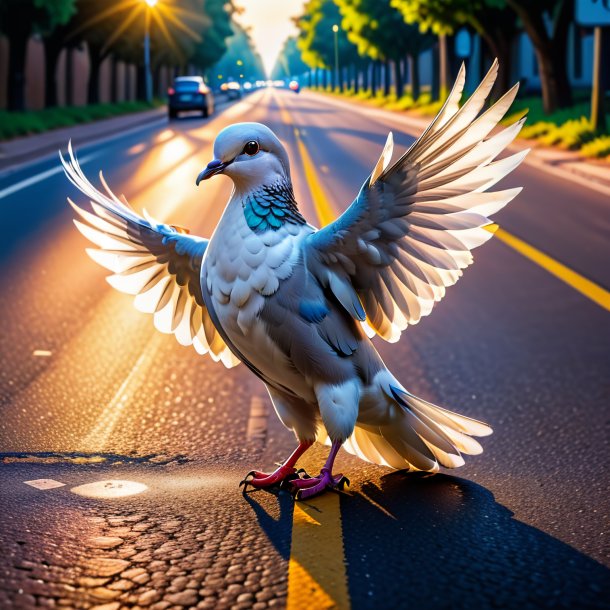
(596, 14)
(335, 33)
(598, 110)
(147, 73)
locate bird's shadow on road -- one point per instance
(273, 510)
(437, 541)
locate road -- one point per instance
(89, 391)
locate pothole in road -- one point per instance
(51, 457)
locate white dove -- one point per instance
(298, 305)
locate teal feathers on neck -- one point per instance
(269, 207)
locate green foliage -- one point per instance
(180, 31)
(571, 135)
(316, 37)
(57, 12)
(566, 128)
(446, 16)
(34, 15)
(560, 128)
(213, 44)
(380, 31)
(13, 124)
(438, 16)
(598, 148)
(289, 62)
(535, 110)
(241, 60)
(423, 104)
(536, 130)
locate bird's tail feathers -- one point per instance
(419, 436)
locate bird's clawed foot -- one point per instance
(288, 477)
(284, 474)
(264, 480)
(307, 487)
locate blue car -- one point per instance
(189, 93)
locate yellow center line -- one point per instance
(316, 570)
(580, 283)
(324, 210)
(317, 576)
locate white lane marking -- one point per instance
(9, 190)
(44, 483)
(95, 142)
(88, 143)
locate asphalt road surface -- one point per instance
(89, 392)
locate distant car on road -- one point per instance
(189, 93)
(232, 89)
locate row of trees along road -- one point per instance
(241, 62)
(388, 32)
(182, 33)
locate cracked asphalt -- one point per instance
(90, 392)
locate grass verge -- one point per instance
(568, 128)
(13, 124)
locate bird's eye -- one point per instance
(251, 148)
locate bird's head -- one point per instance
(250, 154)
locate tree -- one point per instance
(289, 62)
(19, 19)
(53, 43)
(316, 38)
(175, 29)
(491, 19)
(241, 60)
(547, 24)
(214, 38)
(380, 31)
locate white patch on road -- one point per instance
(112, 488)
(44, 483)
(43, 353)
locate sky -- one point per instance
(270, 23)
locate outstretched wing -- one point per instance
(157, 263)
(409, 232)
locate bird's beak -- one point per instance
(213, 167)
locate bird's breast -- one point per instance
(244, 267)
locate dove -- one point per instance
(299, 305)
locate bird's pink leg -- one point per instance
(264, 479)
(306, 488)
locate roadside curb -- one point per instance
(564, 164)
(18, 153)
